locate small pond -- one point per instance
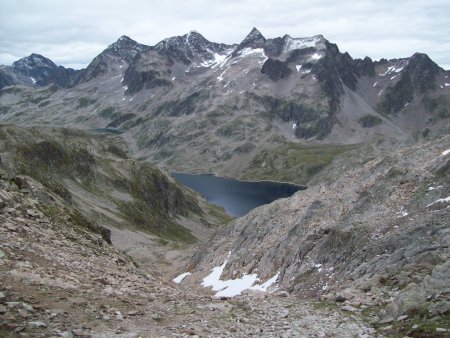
(236, 197)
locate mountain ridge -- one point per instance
(173, 99)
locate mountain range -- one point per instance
(188, 100)
(85, 157)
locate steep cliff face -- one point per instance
(375, 235)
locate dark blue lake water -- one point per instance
(236, 197)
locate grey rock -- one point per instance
(36, 325)
(66, 334)
(27, 307)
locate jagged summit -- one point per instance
(34, 60)
(125, 47)
(189, 47)
(254, 34)
(253, 40)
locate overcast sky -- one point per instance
(72, 33)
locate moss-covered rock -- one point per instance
(369, 121)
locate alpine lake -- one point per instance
(235, 196)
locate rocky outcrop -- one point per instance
(419, 77)
(60, 278)
(275, 70)
(37, 70)
(376, 235)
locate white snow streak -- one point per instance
(316, 56)
(217, 60)
(375, 84)
(220, 77)
(441, 200)
(445, 152)
(179, 278)
(33, 79)
(402, 213)
(252, 51)
(263, 287)
(298, 67)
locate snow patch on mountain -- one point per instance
(180, 278)
(234, 287)
(258, 52)
(300, 43)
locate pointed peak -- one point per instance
(253, 40)
(124, 40)
(194, 35)
(34, 60)
(254, 34)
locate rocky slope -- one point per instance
(147, 213)
(190, 104)
(60, 278)
(371, 232)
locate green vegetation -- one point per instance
(184, 106)
(439, 106)
(369, 121)
(84, 102)
(156, 199)
(416, 327)
(44, 103)
(292, 162)
(50, 156)
(38, 99)
(132, 193)
(120, 119)
(397, 96)
(115, 150)
(106, 113)
(312, 118)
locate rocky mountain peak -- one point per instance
(32, 61)
(125, 47)
(36, 69)
(188, 47)
(195, 40)
(254, 39)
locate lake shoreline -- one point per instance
(237, 197)
(301, 187)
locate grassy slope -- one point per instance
(91, 172)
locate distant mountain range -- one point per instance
(187, 100)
